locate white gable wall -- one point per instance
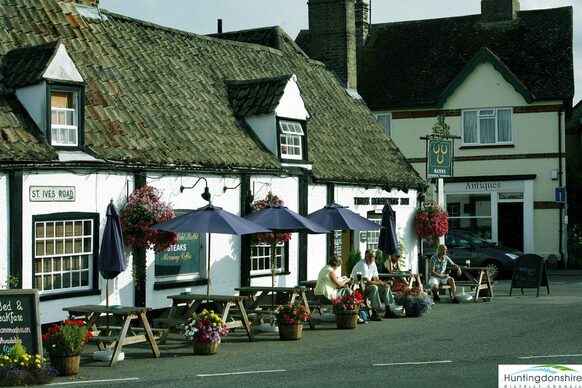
(62, 67)
(33, 98)
(291, 105)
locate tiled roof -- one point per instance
(25, 66)
(256, 97)
(158, 97)
(409, 64)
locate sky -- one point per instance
(200, 16)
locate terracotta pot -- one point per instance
(66, 365)
(346, 319)
(290, 332)
(205, 348)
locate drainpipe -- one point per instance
(560, 183)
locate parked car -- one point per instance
(464, 246)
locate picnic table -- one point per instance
(479, 279)
(185, 305)
(117, 336)
(262, 298)
(408, 277)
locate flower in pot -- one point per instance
(415, 300)
(290, 317)
(64, 343)
(346, 308)
(205, 331)
(20, 368)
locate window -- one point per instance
(386, 123)
(65, 117)
(487, 126)
(64, 253)
(291, 140)
(373, 235)
(261, 258)
(470, 213)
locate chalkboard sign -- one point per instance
(529, 271)
(19, 318)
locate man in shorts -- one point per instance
(438, 267)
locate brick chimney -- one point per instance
(499, 10)
(362, 13)
(332, 30)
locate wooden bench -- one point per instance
(110, 340)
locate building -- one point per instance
(94, 105)
(502, 79)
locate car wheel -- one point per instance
(494, 269)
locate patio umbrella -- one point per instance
(279, 219)
(388, 242)
(111, 256)
(210, 219)
(338, 217)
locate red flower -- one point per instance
(431, 221)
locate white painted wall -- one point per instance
(316, 243)
(62, 67)
(93, 193)
(291, 105)
(4, 243)
(264, 127)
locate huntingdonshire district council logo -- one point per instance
(540, 376)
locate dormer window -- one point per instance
(291, 140)
(64, 117)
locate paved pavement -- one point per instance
(455, 346)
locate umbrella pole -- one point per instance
(208, 268)
(107, 301)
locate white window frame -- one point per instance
(65, 133)
(385, 120)
(482, 114)
(373, 236)
(291, 139)
(66, 259)
(261, 259)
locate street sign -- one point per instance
(440, 158)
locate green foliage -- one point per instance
(353, 259)
(68, 339)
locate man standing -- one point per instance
(438, 267)
(375, 289)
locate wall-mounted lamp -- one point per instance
(224, 188)
(554, 174)
(205, 195)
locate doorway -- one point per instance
(510, 224)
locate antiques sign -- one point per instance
(52, 194)
(440, 158)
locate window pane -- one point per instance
(504, 123)
(487, 129)
(386, 123)
(39, 230)
(50, 229)
(470, 127)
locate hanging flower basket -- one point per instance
(431, 222)
(144, 209)
(269, 238)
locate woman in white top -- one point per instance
(328, 285)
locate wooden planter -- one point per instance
(346, 319)
(205, 348)
(290, 332)
(66, 365)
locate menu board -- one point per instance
(529, 271)
(19, 318)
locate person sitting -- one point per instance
(375, 289)
(438, 266)
(396, 263)
(328, 285)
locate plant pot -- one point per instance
(205, 348)
(66, 365)
(346, 319)
(290, 332)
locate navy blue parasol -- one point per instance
(388, 242)
(111, 256)
(338, 217)
(210, 219)
(282, 220)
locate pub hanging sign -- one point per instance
(440, 158)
